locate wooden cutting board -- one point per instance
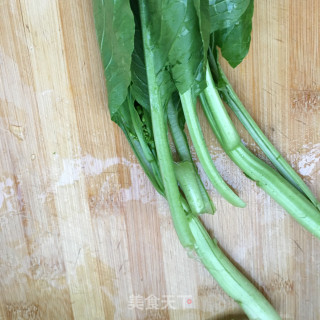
(83, 235)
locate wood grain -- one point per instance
(82, 232)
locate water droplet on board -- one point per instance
(33, 157)
(17, 131)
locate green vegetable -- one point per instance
(225, 13)
(268, 179)
(115, 31)
(189, 108)
(230, 279)
(156, 55)
(231, 98)
(176, 123)
(234, 41)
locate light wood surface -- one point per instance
(82, 232)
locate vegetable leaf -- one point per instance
(115, 31)
(202, 8)
(165, 19)
(179, 54)
(139, 89)
(235, 40)
(188, 55)
(225, 13)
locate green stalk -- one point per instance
(178, 135)
(145, 164)
(210, 118)
(148, 168)
(293, 201)
(144, 146)
(266, 146)
(187, 179)
(231, 280)
(160, 133)
(182, 147)
(189, 109)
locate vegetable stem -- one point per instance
(145, 164)
(189, 109)
(186, 177)
(178, 135)
(182, 147)
(267, 178)
(144, 146)
(231, 280)
(259, 137)
(159, 125)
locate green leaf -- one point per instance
(139, 89)
(202, 8)
(235, 40)
(115, 32)
(225, 13)
(188, 54)
(179, 53)
(164, 20)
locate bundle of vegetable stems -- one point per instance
(160, 58)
